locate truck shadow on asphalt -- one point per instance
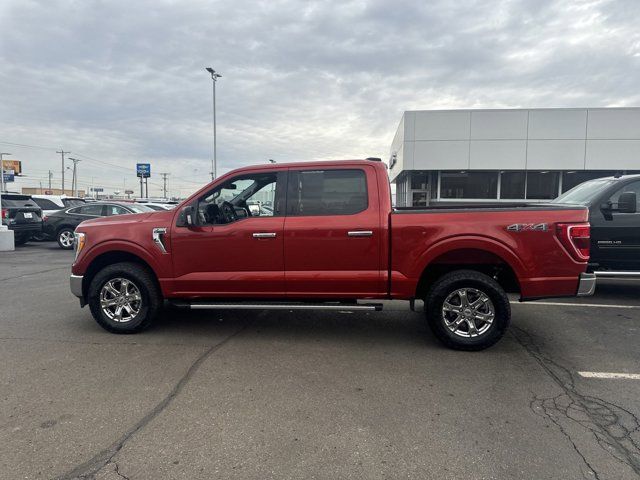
(387, 327)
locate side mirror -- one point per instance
(185, 217)
(627, 202)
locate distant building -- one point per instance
(509, 155)
(51, 191)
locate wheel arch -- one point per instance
(471, 253)
(109, 258)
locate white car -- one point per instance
(51, 204)
(158, 206)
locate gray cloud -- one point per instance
(120, 82)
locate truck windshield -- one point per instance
(583, 194)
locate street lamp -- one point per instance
(214, 76)
(2, 227)
(74, 181)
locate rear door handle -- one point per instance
(360, 233)
(264, 235)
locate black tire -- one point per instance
(39, 237)
(476, 282)
(62, 236)
(21, 238)
(144, 282)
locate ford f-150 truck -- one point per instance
(328, 238)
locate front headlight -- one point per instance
(79, 243)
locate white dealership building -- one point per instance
(510, 154)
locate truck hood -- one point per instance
(117, 219)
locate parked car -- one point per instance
(158, 206)
(614, 214)
(61, 224)
(22, 215)
(51, 204)
(332, 242)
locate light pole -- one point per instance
(214, 76)
(2, 227)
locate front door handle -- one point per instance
(264, 235)
(360, 233)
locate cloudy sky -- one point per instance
(119, 82)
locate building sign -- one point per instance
(14, 165)
(129, 192)
(143, 170)
(97, 189)
(8, 176)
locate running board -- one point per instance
(613, 274)
(278, 306)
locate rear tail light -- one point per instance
(576, 238)
(44, 217)
(5, 213)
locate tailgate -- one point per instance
(24, 215)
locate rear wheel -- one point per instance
(65, 238)
(124, 298)
(467, 310)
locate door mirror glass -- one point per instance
(627, 202)
(185, 217)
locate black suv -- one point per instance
(614, 214)
(22, 215)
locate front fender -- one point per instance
(109, 246)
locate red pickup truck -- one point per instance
(323, 235)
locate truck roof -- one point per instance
(311, 164)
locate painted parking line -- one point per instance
(568, 304)
(626, 376)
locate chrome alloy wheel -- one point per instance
(120, 300)
(468, 312)
(66, 239)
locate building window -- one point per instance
(419, 180)
(571, 179)
(542, 185)
(512, 185)
(419, 199)
(482, 185)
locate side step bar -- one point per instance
(278, 306)
(613, 274)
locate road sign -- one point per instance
(129, 192)
(143, 170)
(8, 176)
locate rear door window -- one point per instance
(116, 210)
(94, 210)
(327, 192)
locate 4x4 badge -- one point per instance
(528, 227)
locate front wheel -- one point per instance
(65, 238)
(124, 298)
(467, 310)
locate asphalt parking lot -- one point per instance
(255, 395)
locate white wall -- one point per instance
(532, 139)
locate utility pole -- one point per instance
(2, 227)
(50, 176)
(214, 76)
(62, 152)
(74, 182)
(164, 184)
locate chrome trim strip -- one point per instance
(613, 274)
(587, 285)
(280, 306)
(360, 233)
(75, 283)
(264, 235)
